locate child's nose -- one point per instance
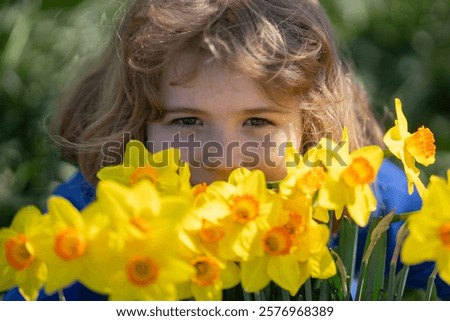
(237, 150)
(224, 150)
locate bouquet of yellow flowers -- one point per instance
(150, 235)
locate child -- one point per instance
(229, 82)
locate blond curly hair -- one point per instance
(286, 46)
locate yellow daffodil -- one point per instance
(252, 209)
(292, 253)
(164, 169)
(19, 265)
(63, 243)
(410, 148)
(230, 215)
(429, 230)
(203, 232)
(211, 277)
(140, 206)
(328, 153)
(302, 183)
(137, 214)
(312, 171)
(146, 270)
(197, 190)
(350, 185)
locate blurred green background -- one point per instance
(399, 48)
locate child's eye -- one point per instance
(257, 122)
(187, 121)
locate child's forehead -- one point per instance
(212, 84)
(186, 70)
(195, 76)
(187, 65)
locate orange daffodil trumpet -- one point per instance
(150, 235)
(410, 148)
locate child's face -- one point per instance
(220, 121)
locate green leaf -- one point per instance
(396, 282)
(339, 281)
(400, 282)
(431, 288)
(337, 293)
(308, 290)
(348, 240)
(371, 278)
(325, 292)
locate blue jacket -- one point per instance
(390, 190)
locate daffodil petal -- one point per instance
(443, 265)
(167, 158)
(117, 173)
(238, 175)
(62, 275)
(211, 292)
(402, 122)
(333, 195)
(143, 194)
(321, 214)
(254, 275)
(439, 199)
(255, 184)
(64, 212)
(322, 265)
(31, 280)
(415, 252)
(363, 203)
(284, 270)
(292, 158)
(136, 155)
(25, 219)
(184, 291)
(230, 275)
(7, 280)
(394, 142)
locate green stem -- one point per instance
(387, 153)
(259, 296)
(308, 290)
(343, 274)
(285, 295)
(324, 292)
(61, 296)
(348, 241)
(401, 235)
(361, 280)
(391, 281)
(331, 220)
(273, 185)
(401, 282)
(430, 284)
(247, 296)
